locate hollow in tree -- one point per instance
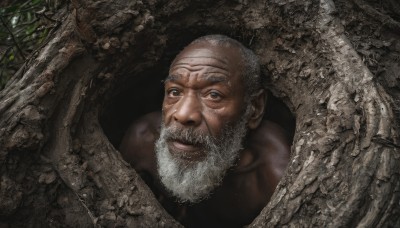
(333, 63)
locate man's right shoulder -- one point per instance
(149, 122)
(140, 137)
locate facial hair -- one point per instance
(194, 181)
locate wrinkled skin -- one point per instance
(205, 91)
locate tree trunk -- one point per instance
(64, 112)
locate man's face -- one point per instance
(203, 120)
(204, 92)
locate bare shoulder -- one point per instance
(137, 145)
(271, 145)
(270, 138)
(270, 131)
(148, 122)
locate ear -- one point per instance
(257, 109)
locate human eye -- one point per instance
(214, 96)
(174, 92)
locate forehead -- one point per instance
(198, 55)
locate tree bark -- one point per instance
(336, 69)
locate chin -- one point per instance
(191, 173)
(187, 159)
(191, 179)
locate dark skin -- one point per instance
(205, 91)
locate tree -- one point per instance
(24, 25)
(336, 69)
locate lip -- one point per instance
(185, 151)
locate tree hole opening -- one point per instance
(140, 93)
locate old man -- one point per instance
(210, 157)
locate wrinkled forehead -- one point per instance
(228, 58)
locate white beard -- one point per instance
(193, 182)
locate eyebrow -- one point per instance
(172, 78)
(215, 78)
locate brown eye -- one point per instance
(214, 96)
(173, 93)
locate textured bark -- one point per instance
(337, 70)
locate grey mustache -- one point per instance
(189, 136)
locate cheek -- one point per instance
(216, 120)
(166, 113)
(232, 113)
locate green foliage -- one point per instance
(24, 25)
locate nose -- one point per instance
(188, 111)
